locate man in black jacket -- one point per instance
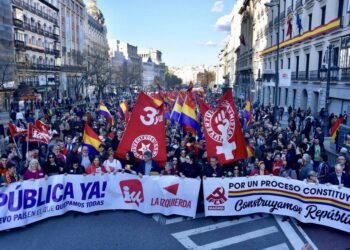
(338, 177)
(76, 168)
(148, 166)
(213, 169)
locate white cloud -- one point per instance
(209, 44)
(218, 6)
(224, 23)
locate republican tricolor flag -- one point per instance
(123, 109)
(335, 128)
(103, 110)
(91, 140)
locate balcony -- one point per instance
(290, 9)
(38, 66)
(39, 31)
(298, 4)
(303, 76)
(345, 74)
(28, 7)
(315, 75)
(19, 44)
(294, 76)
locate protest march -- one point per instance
(171, 153)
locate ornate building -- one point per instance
(72, 19)
(304, 54)
(7, 55)
(37, 42)
(96, 43)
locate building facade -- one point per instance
(38, 48)
(152, 67)
(316, 24)
(7, 55)
(72, 19)
(96, 43)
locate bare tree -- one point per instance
(98, 74)
(127, 74)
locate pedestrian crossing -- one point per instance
(267, 233)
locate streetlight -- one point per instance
(259, 83)
(47, 87)
(328, 73)
(271, 5)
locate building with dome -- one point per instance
(96, 43)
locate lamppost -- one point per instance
(328, 73)
(259, 83)
(271, 5)
(46, 65)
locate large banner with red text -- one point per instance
(306, 202)
(26, 202)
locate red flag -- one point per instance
(41, 126)
(37, 135)
(16, 131)
(145, 130)
(222, 131)
(289, 23)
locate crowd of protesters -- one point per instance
(296, 151)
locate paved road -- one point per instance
(132, 230)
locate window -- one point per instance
(281, 63)
(307, 66)
(271, 40)
(283, 35)
(297, 66)
(320, 54)
(345, 52)
(335, 57)
(289, 63)
(310, 21)
(323, 15)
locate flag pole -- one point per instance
(178, 120)
(27, 145)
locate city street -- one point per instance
(132, 230)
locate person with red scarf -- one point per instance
(96, 167)
(11, 175)
(277, 164)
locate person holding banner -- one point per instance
(148, 166)
(130, 164)
(96, 167)
(190, 168)
(11, 175)
(33, 171)
(260, 170)
(213, 169)
(339, 177)
(53, 166)
(76, 168)
(112, 165)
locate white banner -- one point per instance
(285, 77)
(309, 203)
(22, 203)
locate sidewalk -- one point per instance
(4, 117)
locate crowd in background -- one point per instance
(295, 150)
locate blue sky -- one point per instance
(184, 30)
